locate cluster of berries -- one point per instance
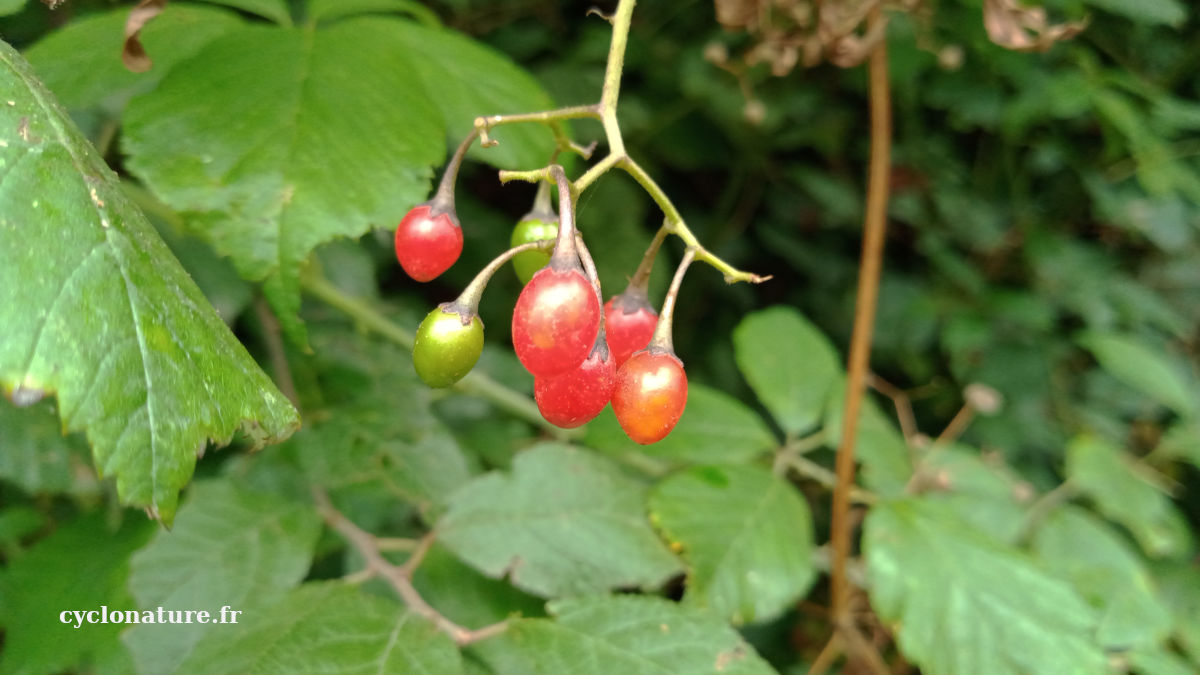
(583, 353)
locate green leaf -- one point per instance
(1083, 549)
(1180, 584)
(715, 428)
(628, 634)
(789, 363)
(467, 597)
(10, 7)
(1168, 12)
(275, 10)
(984, 496)
(381, 432)
(1124, 492)
(97, 310)
(885, 456)
(36, 456)
(563, 522)
(1142, 368)
(330, 10)
(82, 566)
(228, 547)
(963, 603)
(81, 62)
(272, 150)
(745, 535)
(1159, 661)
(326, 628)
(466, 79)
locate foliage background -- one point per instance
(1043, 238)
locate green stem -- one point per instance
(475, 382)
(662, 338)
(612, 76)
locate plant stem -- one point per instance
(400, 577)
(612, 76)
(443, 199)
(641, 277)
(469, 298)
(662, 338)
(874, 226)
(475, 382)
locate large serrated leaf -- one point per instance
(80, 567)
(630, 635)
(1108, 573)
(95, 309)
(1129, 495)
(965, 604)
(228, 547)
(269, 148)
(745, 534)
(81, 62)
(564, 522)
(326, 628)
(789, 363)
(275, 10)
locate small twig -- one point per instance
(272, 334)
(900, 399)
(861, 650)
(958, 424)
(396, 544)
(1041, 508)
(829, 653)
(400, 577)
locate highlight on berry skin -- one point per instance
(446, 348)
(555, 321)
(650, 395)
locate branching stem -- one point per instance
(399, 576)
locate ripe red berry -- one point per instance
(573, 398)
(650, 395)
(428, 243)
(629, 319)
(555, 321)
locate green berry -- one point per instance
(531, 229)
(449, 342)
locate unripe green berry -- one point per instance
(529, 230)
(446, 348)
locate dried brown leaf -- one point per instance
(1025, 29)
(133, 54)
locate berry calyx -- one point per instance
(573, 398)
(650, 395)
(448, 344)
(630, 320)
(428, 242)
(555, 321)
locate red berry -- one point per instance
(576, 396)
(555, 321)
(630, 321)
(427, 244)
(650, 395)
